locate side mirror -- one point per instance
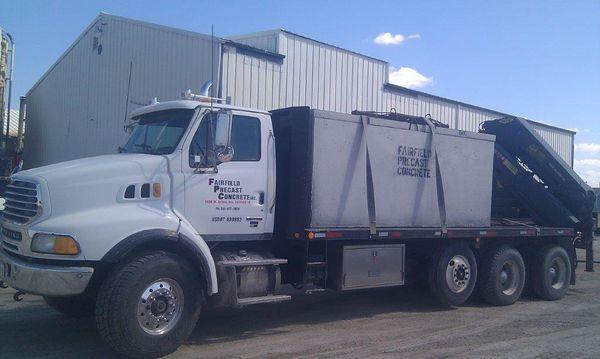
(223, 129)
(225, 154)
(223, 149)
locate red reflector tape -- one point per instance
(396, 234)
(333, 234)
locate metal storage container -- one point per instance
(324, 155)
(367, 266)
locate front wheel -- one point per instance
(149, 306)
(452, 274)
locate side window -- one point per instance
(245, 140)
(201, 142)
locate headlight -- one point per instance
(54, 244)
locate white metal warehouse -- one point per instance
(79, 106)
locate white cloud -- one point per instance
(591, 177)
(387, 38)
(592, 162)
(580, 130)
(587, 147)
(409, 77)
(589, 170)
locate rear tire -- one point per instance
(551, 273)
(502, 276)
(452, 274)
(149, 306)
(79, 306)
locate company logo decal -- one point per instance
(413, 161)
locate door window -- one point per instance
(245, 140)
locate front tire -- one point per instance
(149, 306)
(452, 274)
(551, 275)
(502, 276)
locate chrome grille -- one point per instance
(11, 240)
(22, 202)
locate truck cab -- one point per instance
(191, 173)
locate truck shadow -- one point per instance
(31, 329)
(34, 330)
(228, 325)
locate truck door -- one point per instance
(229, 203)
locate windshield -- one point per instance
(158, 133)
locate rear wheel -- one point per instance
(452, 274)
(502, 276)
(551, 273)
(149, 307)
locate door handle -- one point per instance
(271, 168)
(261, 197)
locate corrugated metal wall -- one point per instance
(250, 80)
(266, 40)
(78, 109)
(312, 74)
(467, 117)
(329, 78)
(560, 140)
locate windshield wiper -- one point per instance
(143, 146)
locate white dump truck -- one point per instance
(210, 205)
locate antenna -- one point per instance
(128, 90)
(212, 61)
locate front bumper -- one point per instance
(42, 279)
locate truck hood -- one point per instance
(93, 182)
(91, 168)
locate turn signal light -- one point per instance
(65, 245)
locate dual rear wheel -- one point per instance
(501, 276)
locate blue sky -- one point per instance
(538, 59)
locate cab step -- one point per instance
(314, 290)
(265, 299)
(316, 264)
(252, 262)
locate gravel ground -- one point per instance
(393, 322)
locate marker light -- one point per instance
(156, 190)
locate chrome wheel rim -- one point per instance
(509, 277)
(458, 274)
(160, 306)
(557, 273)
